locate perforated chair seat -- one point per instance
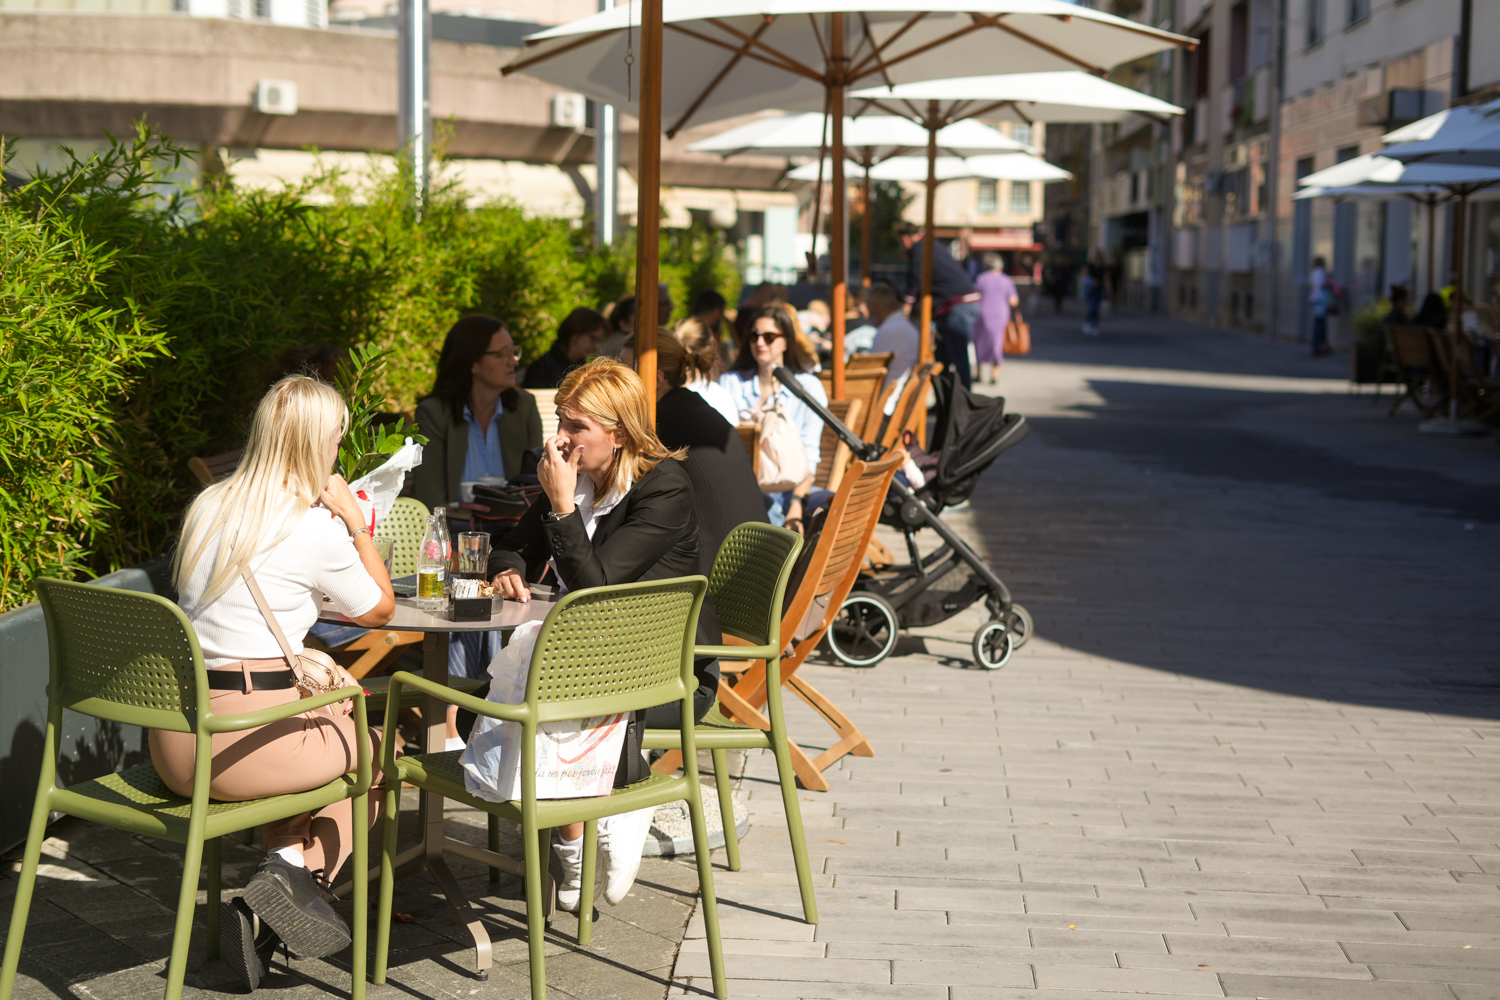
(156, 811)
(716, 731)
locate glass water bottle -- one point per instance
(432, 563)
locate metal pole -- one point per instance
(929, 226)
(648, 200)
(837, 217)
(414, 112)
(867, 234)
(1459, 226)
(606, 166)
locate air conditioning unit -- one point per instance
(275, 97)
(568, 110)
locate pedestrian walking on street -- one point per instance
(1093, 298)
(955, 302)
(1322, 301)
(997, 297)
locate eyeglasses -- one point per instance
(765, 337)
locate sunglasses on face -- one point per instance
(765, 337)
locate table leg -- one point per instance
(435, 668)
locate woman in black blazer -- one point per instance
(725, 493)
(617, 508)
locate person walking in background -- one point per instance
(955, 303)
(997, 297)
(1093, 298)
(1321, 296)
(577, 337)
(1058, 276)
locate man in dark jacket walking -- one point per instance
(955, 302)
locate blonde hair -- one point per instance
(612, 395)
(284, 469)
(687, 355)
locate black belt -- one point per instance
(231, 679)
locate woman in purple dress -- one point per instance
(997, 297)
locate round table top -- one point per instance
(508, 616)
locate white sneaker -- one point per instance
(570, 886)
(621, 839)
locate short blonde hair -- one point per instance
(284, 469)
(612, 395)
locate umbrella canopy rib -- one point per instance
(1050, 49)
(714, 85)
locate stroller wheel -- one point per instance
(865, 631)
(1021, 626)
(993, 644)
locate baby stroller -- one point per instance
(970, 433)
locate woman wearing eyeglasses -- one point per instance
(771, 344)
(478, 422)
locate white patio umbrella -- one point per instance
(1464, 137)
(1061, 96)
(953, 168)
(868, 140)
(1376, 176)
(723, 58)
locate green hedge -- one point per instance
(137, 327)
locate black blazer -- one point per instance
(724, 487)
(650, 535)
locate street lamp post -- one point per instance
(414, 112)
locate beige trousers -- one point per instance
(293, 755)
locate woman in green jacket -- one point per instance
(478, 422)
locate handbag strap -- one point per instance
(265, 610)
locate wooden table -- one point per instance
(428, 853)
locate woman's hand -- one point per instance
(558, 475)
(511, 586)
(793, 520)
(337, 498)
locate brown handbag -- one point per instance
(1017, 335)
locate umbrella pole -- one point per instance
(867, 238)
(928, 226)
(1458, 298)
(837, 243)
(648, 202)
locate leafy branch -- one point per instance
(372, 437)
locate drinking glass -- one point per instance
(473, 554)
(384, 547)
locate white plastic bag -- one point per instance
(574, 759)
(382, 486)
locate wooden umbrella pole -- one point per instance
(837, 216)
(928, 227)
(866, 236)
(1458, 298)
(648, 201)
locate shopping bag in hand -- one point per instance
(574, 758)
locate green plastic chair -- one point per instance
(404, 526)
(600, 651)
(134, 659)
(748, 582)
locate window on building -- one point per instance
(262, 9)
(1358, 10)
(1021, 133)
(1020, 197)
(1314, 22)
(989, 200)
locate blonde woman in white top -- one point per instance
(295, 525)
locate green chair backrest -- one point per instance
(748, 581)
(116, 654)
(615, 649)
(404, 526)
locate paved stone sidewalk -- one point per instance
(1252, 753)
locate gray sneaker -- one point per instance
(290, 901)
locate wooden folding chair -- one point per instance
(546, 402)
(1418, 369)
(859, 362)
(911, 409)
(866, 385)
(827, 578)
(211, 469)
(833, 453)
(750, 438)
(1478, 395)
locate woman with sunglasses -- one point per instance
(772, 343)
